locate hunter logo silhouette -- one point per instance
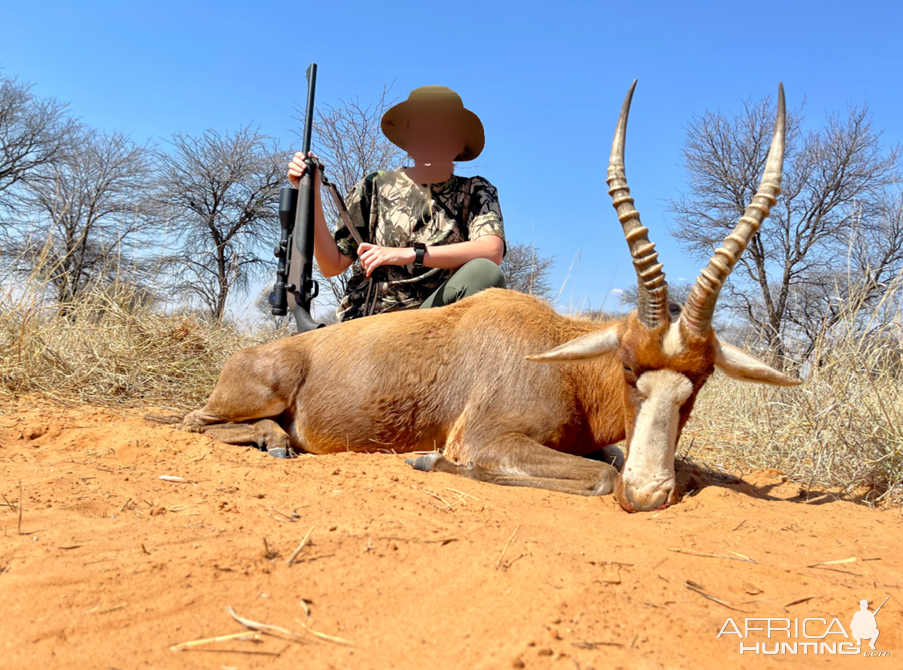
(863, 625)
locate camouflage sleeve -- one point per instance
(485, 214)
(358, 203)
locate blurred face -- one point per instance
(434, 136)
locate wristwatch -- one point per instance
(419, 253)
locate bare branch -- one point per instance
(222, 197)
(829, 216)
(527, 271)
(34, 132)
(90, 221)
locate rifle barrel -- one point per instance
(309, 110)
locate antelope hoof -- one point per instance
(607, 479)
(424, 463)
(614, 457)
(280, 452)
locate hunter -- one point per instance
(438, 236)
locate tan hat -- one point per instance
(395, 120)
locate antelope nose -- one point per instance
(644, 497)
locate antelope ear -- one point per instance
(582, 348)
(737, 364)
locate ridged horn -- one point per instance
(652, 290)
(697, 313)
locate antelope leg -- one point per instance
(517, 460)
(266, 434)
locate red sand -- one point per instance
(417, 570)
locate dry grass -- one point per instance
(843, 428)
(111, 348)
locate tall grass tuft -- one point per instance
(112, 347)
(842, 428)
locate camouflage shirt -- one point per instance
(389, 209)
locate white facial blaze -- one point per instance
(672, 343)
(650, 457)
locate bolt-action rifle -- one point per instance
(295, 287)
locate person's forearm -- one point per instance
(453, 256)
(330, 260)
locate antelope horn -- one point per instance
(652, 290)
(700, 307)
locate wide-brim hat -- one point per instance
(424, 99)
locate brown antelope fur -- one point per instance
(500, 387)
(455, 377)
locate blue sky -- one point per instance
(547, 80)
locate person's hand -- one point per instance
(372, 256)
(297, 168)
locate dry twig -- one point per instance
(324, 636)
(21, 506)
(690, 552)
(291, 559)
(499, 563)
(264, 627)
(182, 646)
(696, 588)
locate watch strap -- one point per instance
(419, 253)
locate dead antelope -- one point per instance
(467, 379)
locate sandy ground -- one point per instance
(114, 565)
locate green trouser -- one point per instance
(470, 278)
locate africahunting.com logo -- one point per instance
(809, 636)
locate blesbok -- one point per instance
(468, 379)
